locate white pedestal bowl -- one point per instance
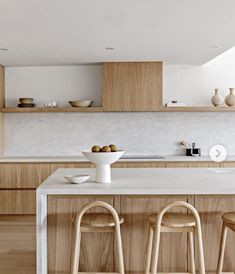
(103, 160)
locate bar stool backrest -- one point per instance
(179, 204)
(97, 204)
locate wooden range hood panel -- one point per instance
(132, 86)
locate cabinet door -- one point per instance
(132, 86)
(211, 209)
(17, 244)
(96, 248)
(173, 246)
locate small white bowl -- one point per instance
(77, 179)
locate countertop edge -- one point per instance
(81, 159)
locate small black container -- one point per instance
(193, 151)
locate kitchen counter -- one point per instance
(80, 158)
(146, 181)
(137, 192)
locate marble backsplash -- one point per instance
(67, 134)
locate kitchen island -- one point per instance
(135, 193)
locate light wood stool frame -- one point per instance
(225, 227)
(79, 229)
(155, 233)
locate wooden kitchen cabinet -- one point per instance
(135, 210)
(211, 209)
(20, 202)
(132, 86)
(97, 250)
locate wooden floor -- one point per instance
(17, 245)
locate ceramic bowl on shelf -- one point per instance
(77, 179)
(81, 103)
(26, 100)
(23, 105)
(103, 160)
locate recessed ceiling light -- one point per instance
(109, 48)
(4, 49)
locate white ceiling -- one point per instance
(48, 32)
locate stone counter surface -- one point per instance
(80, 158)
(145, 181)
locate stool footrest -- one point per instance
(98, 272)
(172, 273)
(190, 273)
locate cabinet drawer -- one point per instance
(17, 202)
(30, 175)
(24, 175)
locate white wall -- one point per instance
(60, 83)
(194, 85)
(149, 133)
(138, 133)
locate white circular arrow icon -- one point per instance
(218, 153)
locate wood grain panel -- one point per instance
(227, 164)
(17, 244)
(31, 175)
(96, 248)
(173, 247)
(2, 104)
(177, 164)
(211, 208)
(132, 86)
(2, 86)
(20, 175)
(17, 202)
(50, 110)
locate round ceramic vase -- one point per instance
(230, 99)
(217, 99)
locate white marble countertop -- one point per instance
(145, 181)
(68, 159)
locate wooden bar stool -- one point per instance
(174, 222)
(228, 222)
(97, 222)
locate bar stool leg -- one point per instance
(222, 249)
(119, 250)
(200, 248)
(149, 250)
(156, 243)
(191, 253)
(76, 250)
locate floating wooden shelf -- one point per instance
(58, 109)
(100, 109)
(197, 109)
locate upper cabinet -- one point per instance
(132, 86)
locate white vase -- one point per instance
(230, 99)
(217, 99)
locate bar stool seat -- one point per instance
(229, 217)
(173, 220)
(99, 220)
